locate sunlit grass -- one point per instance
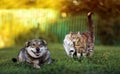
(105, 61)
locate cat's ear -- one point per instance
(78, 33)
(70, 33)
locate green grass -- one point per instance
(106, 60)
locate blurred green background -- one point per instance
(52, 20)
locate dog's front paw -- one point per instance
(49, 61)
(36, 66)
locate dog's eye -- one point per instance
(33, 44)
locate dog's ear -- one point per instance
(27, 44)
(44, 42)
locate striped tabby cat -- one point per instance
(83, 43)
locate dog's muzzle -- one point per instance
(37, 53)
(38, 50)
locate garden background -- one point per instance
(51, 20)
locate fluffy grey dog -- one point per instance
(34, 52)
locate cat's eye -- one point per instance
(33, 44)
(40, 45)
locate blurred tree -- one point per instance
(108, 12)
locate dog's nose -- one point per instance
(37, 49)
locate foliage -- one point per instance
(105, 61)
(106, 7)
(34, 33)
(108, 31)
(14, 4)
(8, 33)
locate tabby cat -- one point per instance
(83, 43)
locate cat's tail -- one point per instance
(90, 24)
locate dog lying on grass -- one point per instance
(35, 52)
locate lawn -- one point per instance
(106, 60)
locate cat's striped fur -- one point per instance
(83, 43)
